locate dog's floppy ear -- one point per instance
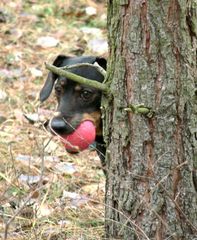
(102, 62)
(48, 86)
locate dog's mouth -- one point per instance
(77, 139)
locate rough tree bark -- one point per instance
(151, 189)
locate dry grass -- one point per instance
(37, 199)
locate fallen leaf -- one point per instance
(93, 189)
(3, 96)
(64, 223)
(47, 42)
(14, 73)
(30, 180)
(16, 32)
(91, 11)
(44, 210)
(96, 32)
(99, 46)
(36, 72)
(76, 200)
(31, 117)
(71, 195)
(28, 160)
(65, 168)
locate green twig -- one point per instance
(77, 78)
(94, 65)
(140, 109)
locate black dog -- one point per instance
(76, 102)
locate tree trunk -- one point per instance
(151, 188)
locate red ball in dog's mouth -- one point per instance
(81, 138)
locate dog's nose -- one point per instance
(58, 125)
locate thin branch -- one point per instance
(95, 65)
(77, 78)
(18, 211)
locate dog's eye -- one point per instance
(86, 95)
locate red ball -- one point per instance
(81, 138)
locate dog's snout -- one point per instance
(58, 125)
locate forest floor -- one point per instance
(45, 193)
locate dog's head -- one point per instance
(76, 102)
